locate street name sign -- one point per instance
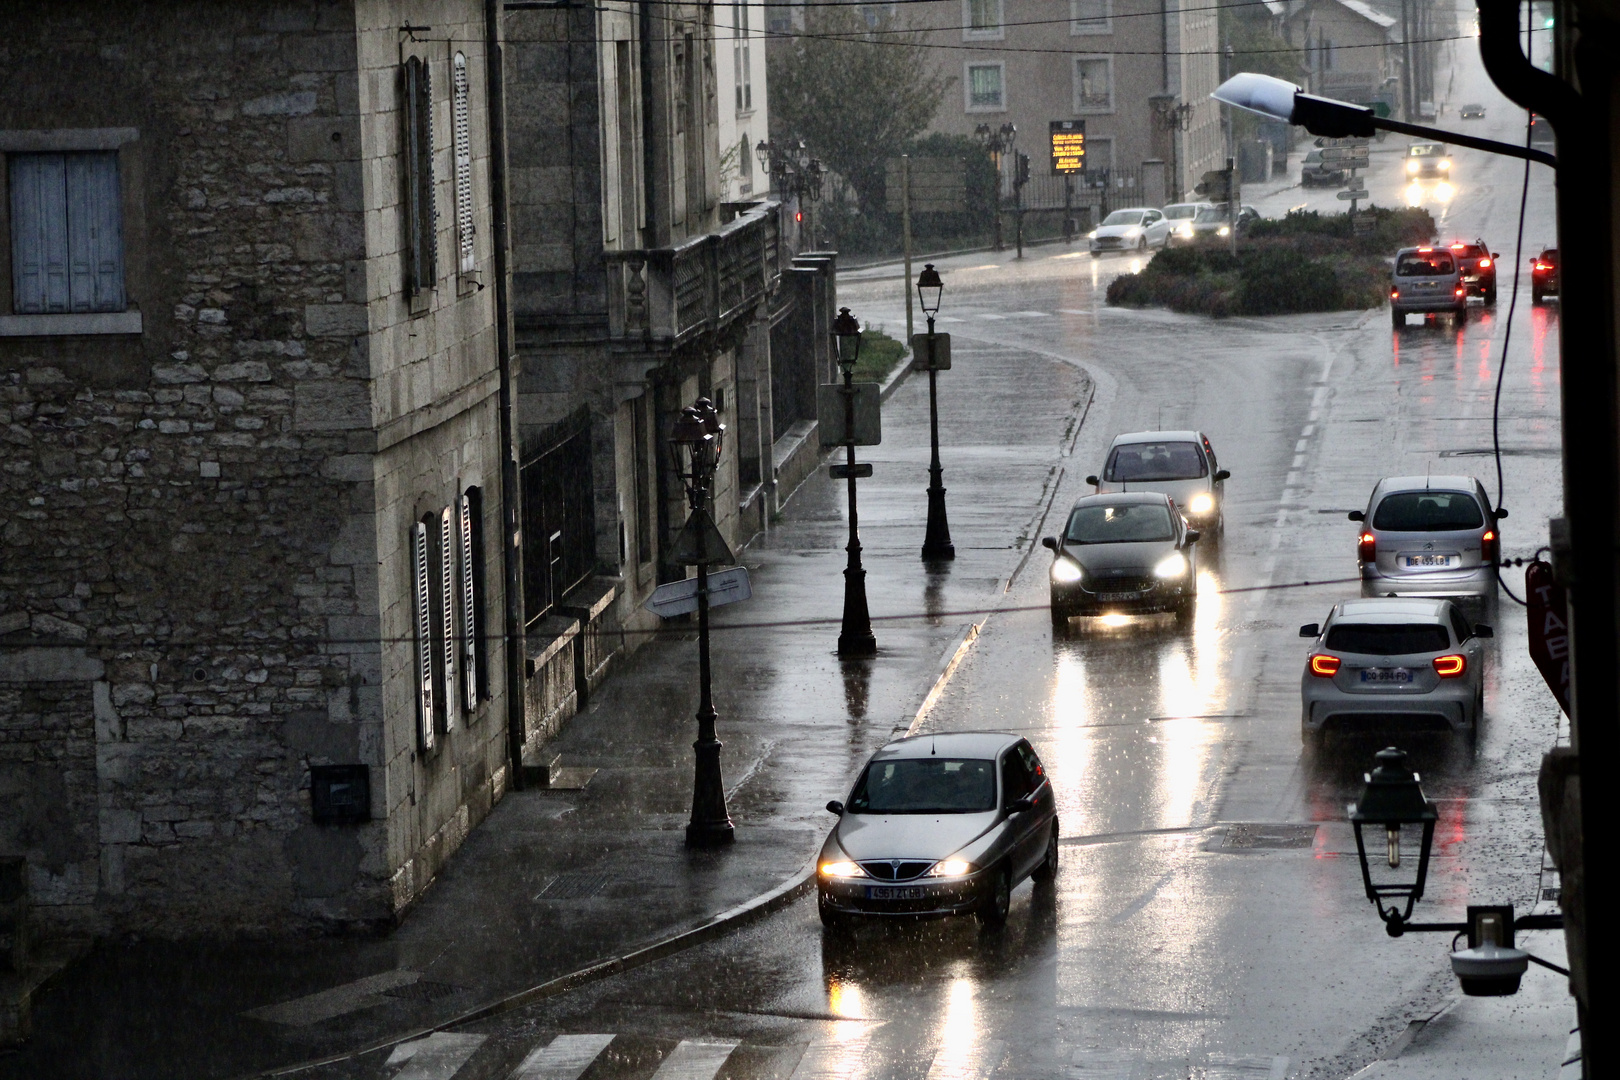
(860, 471)
(1365, 224)
(938, 185)
(1359, 193)
(1356, 157)
(920, 352)
(868, 414)
(681, 597)
(1068, 146)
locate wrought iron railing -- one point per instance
(665, 296)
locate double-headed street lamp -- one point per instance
(855, 636)
(696, 440)
(937, 540)
(998, 141)
(795, 173)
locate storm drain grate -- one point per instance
(1249, 837)
(575, 886)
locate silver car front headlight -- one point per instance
(1173, 565)
(1202, 503)
(841, 868)
(1066, 571)
(951, 868)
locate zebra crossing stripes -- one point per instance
(1221, 1067)
(1108, 1065)
(564, 1058)
(839, 1055)
(972, 1061)
(438, 1057)
(695, 1060)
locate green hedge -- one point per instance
(1261, 279)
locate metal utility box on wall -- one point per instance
(340, 794)
(868, 414)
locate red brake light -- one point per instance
(1461, 291)
(1483, 263)
(798, 216)
(1368, 547)
(1487, 546)
(1457, 247)
(1324, 666)
(1449, 667)
(1426, 249)
(1543, 266)
(1394, 294)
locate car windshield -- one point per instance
(1415, 263)
(1313, 157)
(1128, 524)
(1180, 212)
(1468, 251)
(1428, 511)
(1124, 217)
(1550, 257)
(1425, 150)
(1387, 639)
(931, 785)
(1212, 214)
(1155, 461)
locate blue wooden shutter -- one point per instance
(39, 241)
(94, 233)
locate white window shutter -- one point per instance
(39, 244)
(423, 611)
(465, 226)
(469, 609)
(95, 228)
(447, 613)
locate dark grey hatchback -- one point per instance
(940, 825)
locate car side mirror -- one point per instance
(1481, 630)
(835, 807)
(1501, 512)
(1222, 474)
(1193, 535)
(1496, 254)
(1049, 542)
(1020, 804)
(1311, 630)
(1357, 515)
(1092, 480)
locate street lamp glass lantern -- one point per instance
(1393, 799)
(929, 288)
(762, 151)
(847, 329)
(1009, 134)
(696, 446)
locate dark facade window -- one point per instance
(559, 522)
(67, 246)
(421, 216)
(475, 667)
(643, 480)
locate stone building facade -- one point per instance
(251, 584)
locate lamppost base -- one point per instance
(939, 552)
(855, 636)
(710, 824)
(856, 647)
(937, 544)
(710, 834)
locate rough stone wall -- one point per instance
(208, 512)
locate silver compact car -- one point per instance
(939, 825)
(1181, 464)
(1392, 665)
(1428, 536)
(1126, 553)
(1426, 280)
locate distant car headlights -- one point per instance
(951, 868)
(1224, 230)
(843, 868)
(1092, 235)
(1445, 164)
(1173, 565)
(1411, 166)
(1066, 572)
(1184, 231)
(1201, 503)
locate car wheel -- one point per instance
(1397, 317)
(1096, 254)
(1047, 871)
(1185, 611)
(831, 918)
(1060, 622)
(1141, 243)
(997, 901)
(1310, 740)
(1490, 296)
(1535, 296)
(1461, 314)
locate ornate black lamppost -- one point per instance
(696, 440)
(937, 541)
(795, 173)
(998, 141)
(855, 637)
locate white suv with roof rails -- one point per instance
(1428, 536)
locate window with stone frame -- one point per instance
(421, 216)
(67, 248)
(1091, 17)
(1093, 84)
(985, 87)
(982, 19)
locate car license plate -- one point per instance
(1386, 675)
(896, 892)
(1428, 561)
(1116, 597)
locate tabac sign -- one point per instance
(1068, 146)
(1548, 618)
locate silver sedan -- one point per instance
(939, 825)
(1429, 536)
(1393, 665)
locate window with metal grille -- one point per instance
(67, 246)
(559, 516)
(445, 624)
(1091, 17)
(465, 228)
(421, 217)
(422, 612)
(474, 674)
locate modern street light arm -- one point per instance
(1282, 100)
(1527, 85)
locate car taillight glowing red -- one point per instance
(1368, 547)
(1460, 292)
(1324, 666)
(1394, 294)
(1543, 266)
(1450, 667)
(1484, 264)
(1487, 546)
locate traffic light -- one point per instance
(1021, 169)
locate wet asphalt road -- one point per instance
(1208, 917)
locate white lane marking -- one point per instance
(989, 315)
(1310, 429)
(339, 1000)
(1221, 1067)
(565, 1058)
(1299, 459)
(1293, 478)
(1299, 447)
(438, 1057)
(1073, 311)
(695, 1060)
(1033, 314)
(1107, 1065)
(838, 1056)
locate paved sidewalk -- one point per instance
(554, 882)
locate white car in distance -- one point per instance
(1134, 229)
